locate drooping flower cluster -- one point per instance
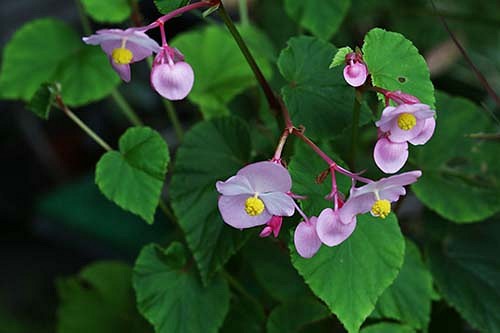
(355, 71)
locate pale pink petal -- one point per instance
(331, 231)
(232, 209)
(275, 224)
(399, 135)
(174, 82)
(389, 156)
(266, 232)
(306, 239)
(356, 205)
(267, 177)
(426, 132)
(385, 122)
(393, 193)
(403, 179)
(122, 70)
(355, 74)
(278, 203)
(234, 186)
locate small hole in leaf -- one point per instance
(402, 79)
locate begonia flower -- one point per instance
(255, 194)
(355, 72)
(123, 47)
(306, 239)
(376, 197)
(331, 231)
(413, 123)
(171, 76)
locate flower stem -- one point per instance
(270, 96)
(243, 6)
(82, 125)
(167, 211)
(172, 115)
(126, 108)
(355, 128)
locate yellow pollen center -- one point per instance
(406, 121)
(122, 56)
(254, 206)
(381, 208)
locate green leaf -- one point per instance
(321, 17)
(166, 6)
(47, 50)
(171, 297)
(387, 328)
(395, 64)
(350, 277)
(339, 58)
(99, 300)
(409, 298)
(466, 269)
(211, 151)
(304, 168)
(220, 68)
(133, 177)
(41, 103)
(244, 317)
(460, 180)
(315, 96)
(290, 317)
(109, 11)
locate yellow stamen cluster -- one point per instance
(406, 121)
(254, 206)
(381, 208)
(122, 56)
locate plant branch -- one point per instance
(126, 109)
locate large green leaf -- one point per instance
(387, 328)
(395, 64)
(350, 277)
(466, 269)
(220, 68)
(409, 298)
(291, 316)
(47, 50)
(133, 177)
(109, 11)
(170, 294)
(244, 317)
(321, 17)
(460, 181)
(166, 6)
(99, 300)
(316, 97)
(211, 151)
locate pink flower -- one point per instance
(273, 227)
(399, 125)
(123, 47)
(331, 231)
(376, 197)
(355, 73)
(255, 194)
(306, 239)
(171, 77)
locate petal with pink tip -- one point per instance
(331, 231)
(235, 185)
(278, 203)
(389, 156)
(232, 209)
(426, 132)
(267, 177)
(355, 74)
(122, 70)
(306, 239)
(174, 82)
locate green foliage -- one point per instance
(321, 17)
(244, 317)
(42, 101)
(395, 64)
(339, 57)
(387, 328)
(291, 316)
(133, 177)
(109, 11)
(350, 277)
(409, 298)
(460, 181)
(211, 151)
(100, 300)
(47, 50)
(170, 294)
(219, 66)
(316, 97)
(466, 268)
(166, 6)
